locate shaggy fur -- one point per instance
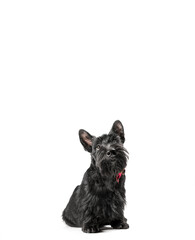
(100, 198)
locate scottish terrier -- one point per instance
(100, 198)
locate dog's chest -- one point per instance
(108, 205)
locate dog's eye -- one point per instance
(98, 147)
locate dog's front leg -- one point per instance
(90, 226)
(120, 224)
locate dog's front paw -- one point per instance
(90, 229)
(120, 225)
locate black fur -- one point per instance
(100, 198)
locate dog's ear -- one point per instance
(118, 129)
(86, 140)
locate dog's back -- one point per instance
(70, 213)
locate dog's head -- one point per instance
(107, 151)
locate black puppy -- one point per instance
(100, 198)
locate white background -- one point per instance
(66, 65)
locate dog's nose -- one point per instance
(108, 153)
